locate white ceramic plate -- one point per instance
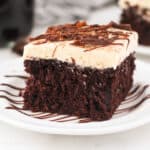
(113, 13)
(123, 122)
(144, 50)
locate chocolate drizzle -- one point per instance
(11, 86)
(16, 76)
(136, 95)
(11, 100)
(83, 35)
(10, 94)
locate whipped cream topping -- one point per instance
(109, 56)
(141, 5)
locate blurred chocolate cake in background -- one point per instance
(137, 13)
(16, 19)
(19, 45)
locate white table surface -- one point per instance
(12, 138)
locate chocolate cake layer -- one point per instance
(65, 88)
(138, 23)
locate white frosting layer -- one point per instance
(102, 57)
(142, 4)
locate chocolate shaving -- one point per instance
(84, 35)
(54, 51)
(121, 26)
(73, 60)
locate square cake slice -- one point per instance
(79, 69)
(137, 13)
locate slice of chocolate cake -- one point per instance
(79, 69)
(137, 13)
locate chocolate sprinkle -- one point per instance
(83, 35)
